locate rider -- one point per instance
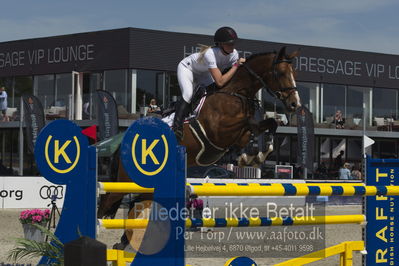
(204, 68)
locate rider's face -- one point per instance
(228, 47)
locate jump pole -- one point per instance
(140, 152)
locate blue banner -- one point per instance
(381, 237)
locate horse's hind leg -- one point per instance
(139, 208)
(109, 204)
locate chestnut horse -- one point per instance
(226, 117)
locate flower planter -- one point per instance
(33, 233)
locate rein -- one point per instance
(264, 85)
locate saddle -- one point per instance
(199, 93)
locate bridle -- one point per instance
(279, 93)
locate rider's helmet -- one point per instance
(225, 35)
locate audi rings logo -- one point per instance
(51, 192)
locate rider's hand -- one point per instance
(239, 62)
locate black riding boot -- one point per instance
(182, 111)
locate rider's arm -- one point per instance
(220, 79)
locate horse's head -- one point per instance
(274, 72)
(282, 80)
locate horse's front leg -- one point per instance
(245, 158)
(259, 127)
(265, 130)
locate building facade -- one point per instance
(137, 65)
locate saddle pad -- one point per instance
(209, 152)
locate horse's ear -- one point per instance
(281, 54)
(294, 54)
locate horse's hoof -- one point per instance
(119, 246)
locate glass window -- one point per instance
(63, 93)
(150, 84)
(330, 149)
(44, 90)
(9, 139)
(172, 91)
(354, 106)
(23, 85)
(385, 103)
(93, 82)
(115, 81)
(385, 149)
(8, 84)
(308, 94)
(284, 143)
(354, 150)
(271, 104)
(333, 101)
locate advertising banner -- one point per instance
(107, 115)
(29, 192)
(305, 138)
(382, 215)
(34, 119)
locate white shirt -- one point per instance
(3, 100)
(213, 58)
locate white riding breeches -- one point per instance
(186, 82)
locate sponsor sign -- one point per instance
(107, 113)
(128, 48)
(305, 138)
(284, 171)
(34, 119)
(29, 192)
(382, 214)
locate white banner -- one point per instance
(29, 192)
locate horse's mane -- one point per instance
(253, 56)
(241, 68)
(248, 60)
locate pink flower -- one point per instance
(34, 216)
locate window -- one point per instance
(354, 150)
(333, 99)
(308, 94)
(116, 82)
(354, 105)
(271, 104)
(44, 89)
(150, 84)
(283, 148)
(385, 103)
(91, 83)
(8, 84)
(23, 85)
(172, 92)
(63, 92)
(385, 149)
(9, 139)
